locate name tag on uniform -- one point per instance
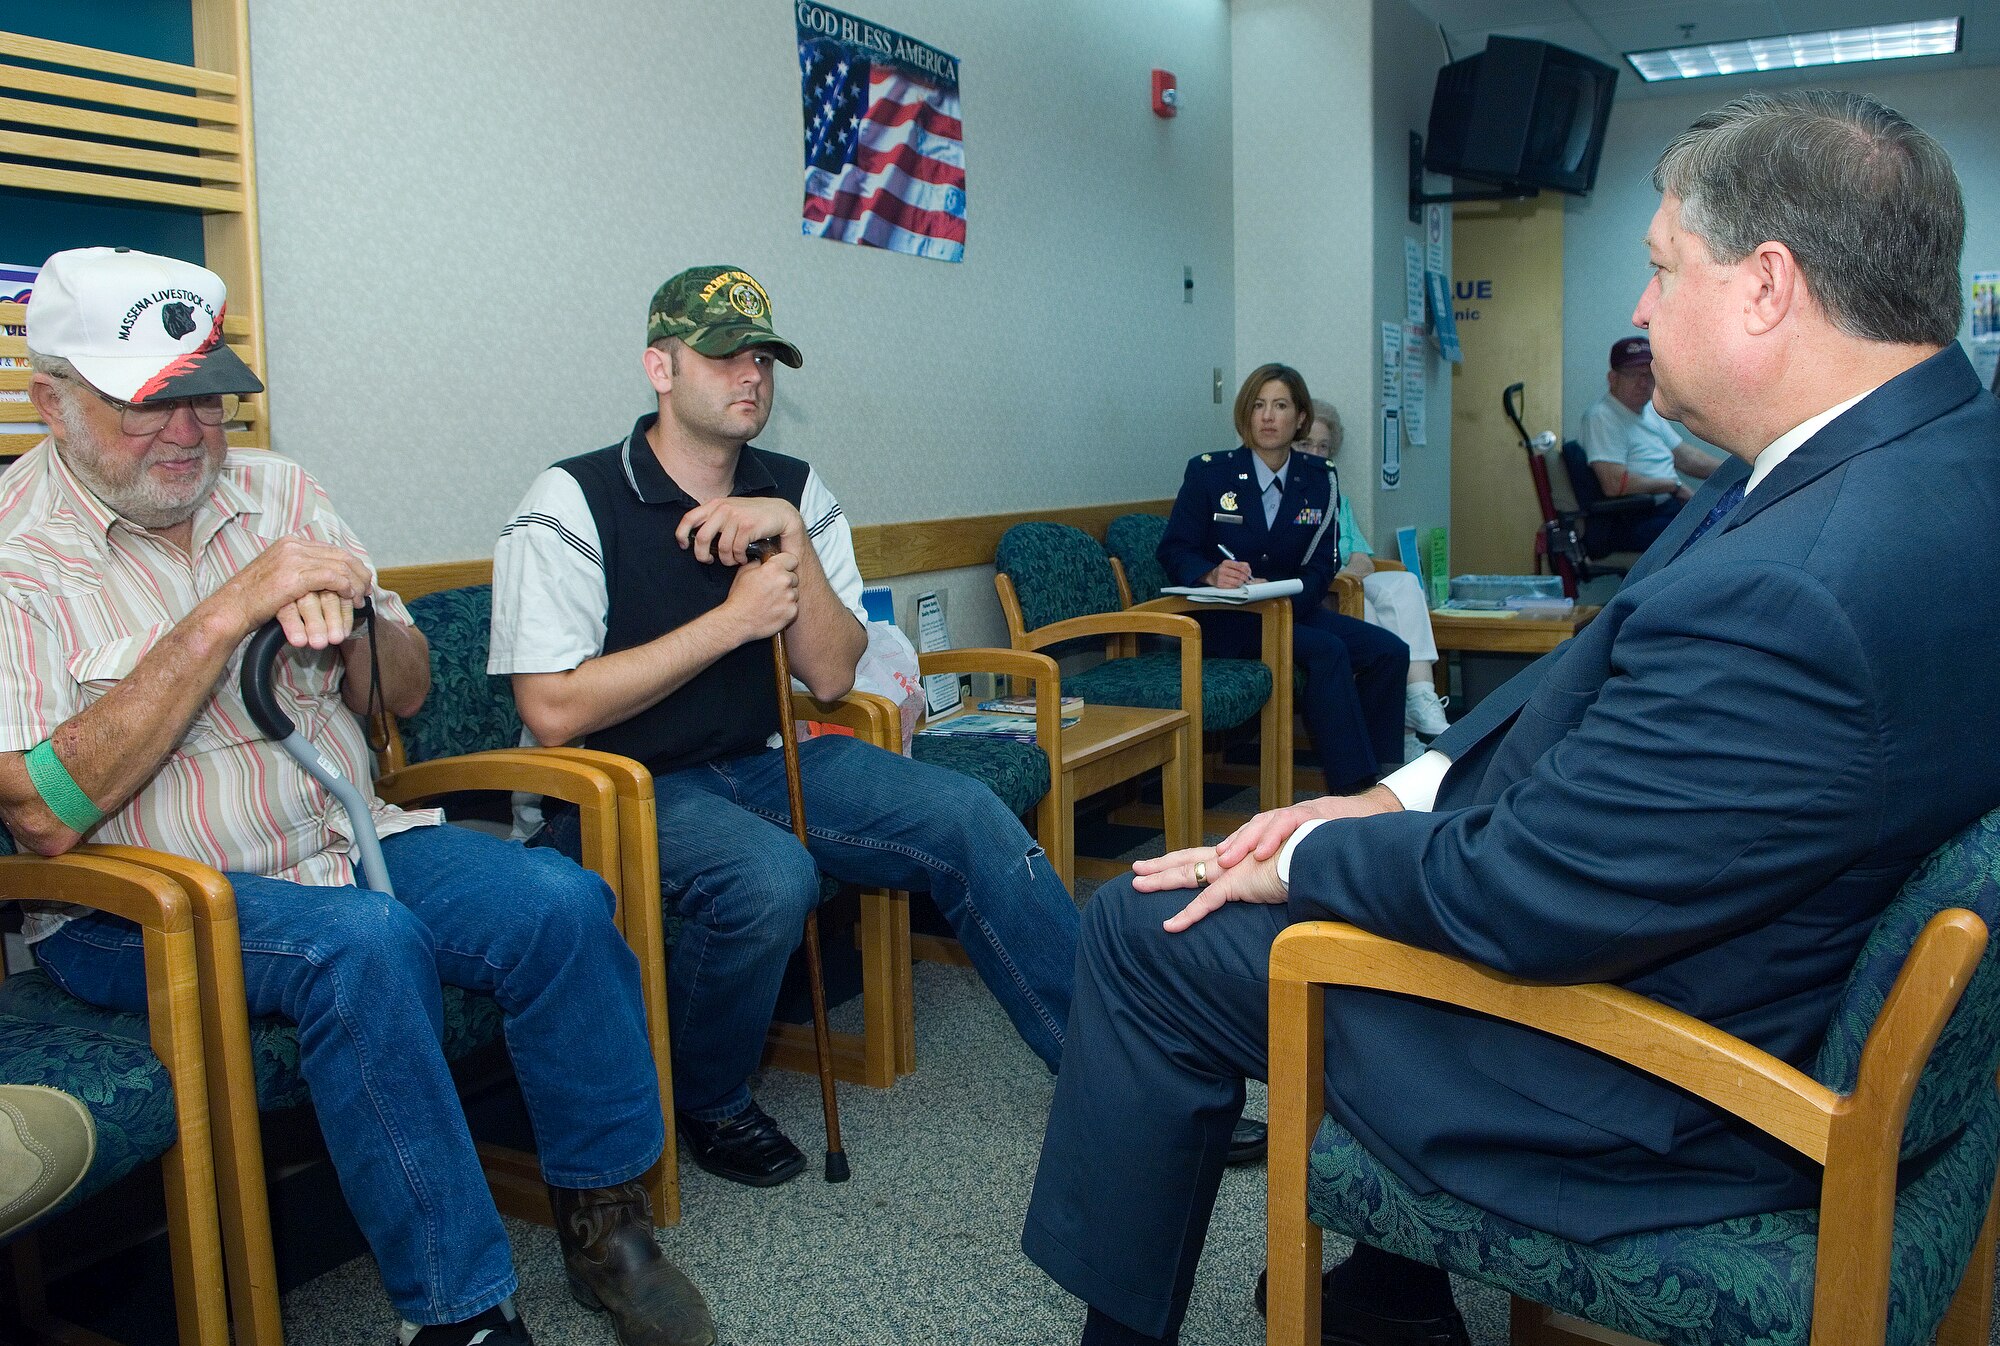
(1310, 517)
(1227, 518)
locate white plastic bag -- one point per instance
(888, 668)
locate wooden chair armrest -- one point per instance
(532, 770)
(542, 771)
(983, 659)
(1182, 603)
(144, 896)
(1038, 668)
(1349, 596)
(629, 778)
(1768, 1093)
(1384, 563)
(874, 719)
(1130, 622)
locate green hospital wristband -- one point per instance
(62, 794)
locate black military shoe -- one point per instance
(1343, 1324)
(747, 1148)
(1247, 1142)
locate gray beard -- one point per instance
(134, 502)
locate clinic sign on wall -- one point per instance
(884, 140)
(1468, 295)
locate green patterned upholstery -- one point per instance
(1232, 690)
(1060, 572)
(467, 710)
(1017, 772)
(119, 1080)
(1135, 540)
(1749, 1280)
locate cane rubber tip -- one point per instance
(836, 1166)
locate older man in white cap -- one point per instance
(136, 555)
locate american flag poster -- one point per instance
(885, 150)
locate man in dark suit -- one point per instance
(1707, 796)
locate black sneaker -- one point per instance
(747, 1148)
(495, 1327)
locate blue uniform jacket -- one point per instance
(1708, 797)
(1219, 503)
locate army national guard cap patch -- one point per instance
(717, 311)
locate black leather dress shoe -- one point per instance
(1247, 1142)
(747, 1148)
(1342, 1324)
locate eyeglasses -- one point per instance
(149, 418)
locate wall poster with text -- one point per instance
(884, 145)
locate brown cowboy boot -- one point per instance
(614, 1266)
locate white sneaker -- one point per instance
(1423, 710)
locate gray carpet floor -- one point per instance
(922, 1246)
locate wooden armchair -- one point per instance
(1071, 593)
(144, 1079)
(1906, 1073)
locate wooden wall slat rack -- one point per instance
(103, 124)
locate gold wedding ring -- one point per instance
(1201, 871)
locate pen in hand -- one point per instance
(1227, 554)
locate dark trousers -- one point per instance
(1353, 695)
(1631, 532)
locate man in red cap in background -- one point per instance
(1634, 451)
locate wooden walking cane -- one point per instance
(836, 1157)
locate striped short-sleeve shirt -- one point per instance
(85, 594)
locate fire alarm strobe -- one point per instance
(1166, 97)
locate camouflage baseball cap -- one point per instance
(716, 311)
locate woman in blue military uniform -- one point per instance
(1264, 511)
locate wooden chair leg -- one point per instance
(881, 1006)
(906, 991)
(1969, 1319)
(1297, 1102)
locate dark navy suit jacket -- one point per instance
(1708, 796)
(1219, 502)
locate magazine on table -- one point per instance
(1025, 705)
(982, 724)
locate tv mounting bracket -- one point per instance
(1419, 198)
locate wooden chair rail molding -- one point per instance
(883, 550)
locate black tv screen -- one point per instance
(1521, 114)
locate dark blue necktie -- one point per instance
(1729, 500)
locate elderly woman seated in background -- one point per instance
(1392, 599)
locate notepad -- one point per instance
(1249, 593)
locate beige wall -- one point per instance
(1304, 205)
(465, 208)
(1512, 332)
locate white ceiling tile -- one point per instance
(1489, 14)
(1643, 30)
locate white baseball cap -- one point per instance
(138, 327)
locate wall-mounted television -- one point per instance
(1521, 114)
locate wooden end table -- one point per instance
(1459, 634)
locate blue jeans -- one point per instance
(360, 972)
(744, 886)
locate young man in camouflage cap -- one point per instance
(627, 610)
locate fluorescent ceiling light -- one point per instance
(1794, 51)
